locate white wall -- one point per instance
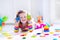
(11, 7)
(41, 8)
(46, 11)
(45, 8)
(36, 8)
(55, 11)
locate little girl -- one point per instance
(22, 22)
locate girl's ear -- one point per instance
(17, 19)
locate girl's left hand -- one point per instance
(26, 28)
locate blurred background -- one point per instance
(49, 9)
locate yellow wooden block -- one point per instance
(6, 34)
(16, 31)
(29, 24)
(46, 27)
(51, 32)
(0, 28)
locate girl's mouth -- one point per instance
(23, 20)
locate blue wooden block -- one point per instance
(46, 30)
(0, 23)
(55, 39)
(16, 28)
(38, 33)
(17, 19)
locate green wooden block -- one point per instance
(24, 38)
(33, 36)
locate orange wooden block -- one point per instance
(30, 30)
(57, 30)
(46, 29)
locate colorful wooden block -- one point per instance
(24, 38)
(55, 39)
(30, 30)
(46, 30)
(51, 32)
(15, 31)
(38, 33)
(46, 27)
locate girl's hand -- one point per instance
(17, 23)
(26, 28)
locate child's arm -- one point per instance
(16, 23)
(16, 27)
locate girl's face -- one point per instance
(23, 17)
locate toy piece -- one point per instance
(24, 34)
(24, 38)
(46, 34)
(29, 26)
(24, 29)
(55, 34)
(0, 28)
(2, 22)
(57, 30)
(30, 30)
(4, 18)
(46, 29)
(7, 35)
(48, 24)
(39, 20)
(42, 36)
(42, 25)
(34, 36)
(51, 32)
(16, 31)
(59, 36)
(28, 17)
(39, 26)
(17, 19)
(38, 33)
(16, 28)
(55, 39)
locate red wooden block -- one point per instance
(3, 24)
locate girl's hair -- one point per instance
(21, 11)
(20, 23)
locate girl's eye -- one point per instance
(24, 16)
(20, 17)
